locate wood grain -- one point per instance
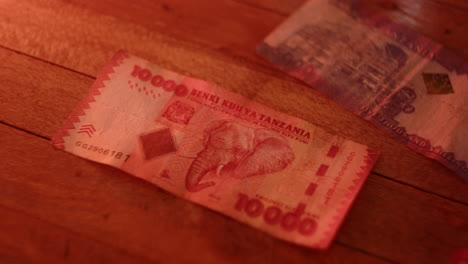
(284, 8)
(412, 211)
(246, 22)
(29, 34)
(27, 239)
(119, 210)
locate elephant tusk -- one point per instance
(218, 170)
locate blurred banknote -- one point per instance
(405, 83)
(269, 170)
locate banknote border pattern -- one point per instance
(424, 146)
(369, 161)
(69, 123)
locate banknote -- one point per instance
(404, 83)
(218, 149)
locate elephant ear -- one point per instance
(272, 153)
(212, 127)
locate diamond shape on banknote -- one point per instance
(437, 83)
(157, 143)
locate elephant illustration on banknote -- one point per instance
(232, 149)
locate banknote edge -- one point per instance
(445, 158)
(346, 203)
(117, 59)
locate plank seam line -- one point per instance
(271, 10)
(48, 62)
(421, 189)
(131, 254)
(64, 228)
(24, 130)
(236, 59)
(365, 252)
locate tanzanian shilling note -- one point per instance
(269, 170)
(405, 83)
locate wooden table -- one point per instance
(58, 208)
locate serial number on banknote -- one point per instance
(101, 150)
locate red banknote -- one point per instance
(406, 84)
(269, 170)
